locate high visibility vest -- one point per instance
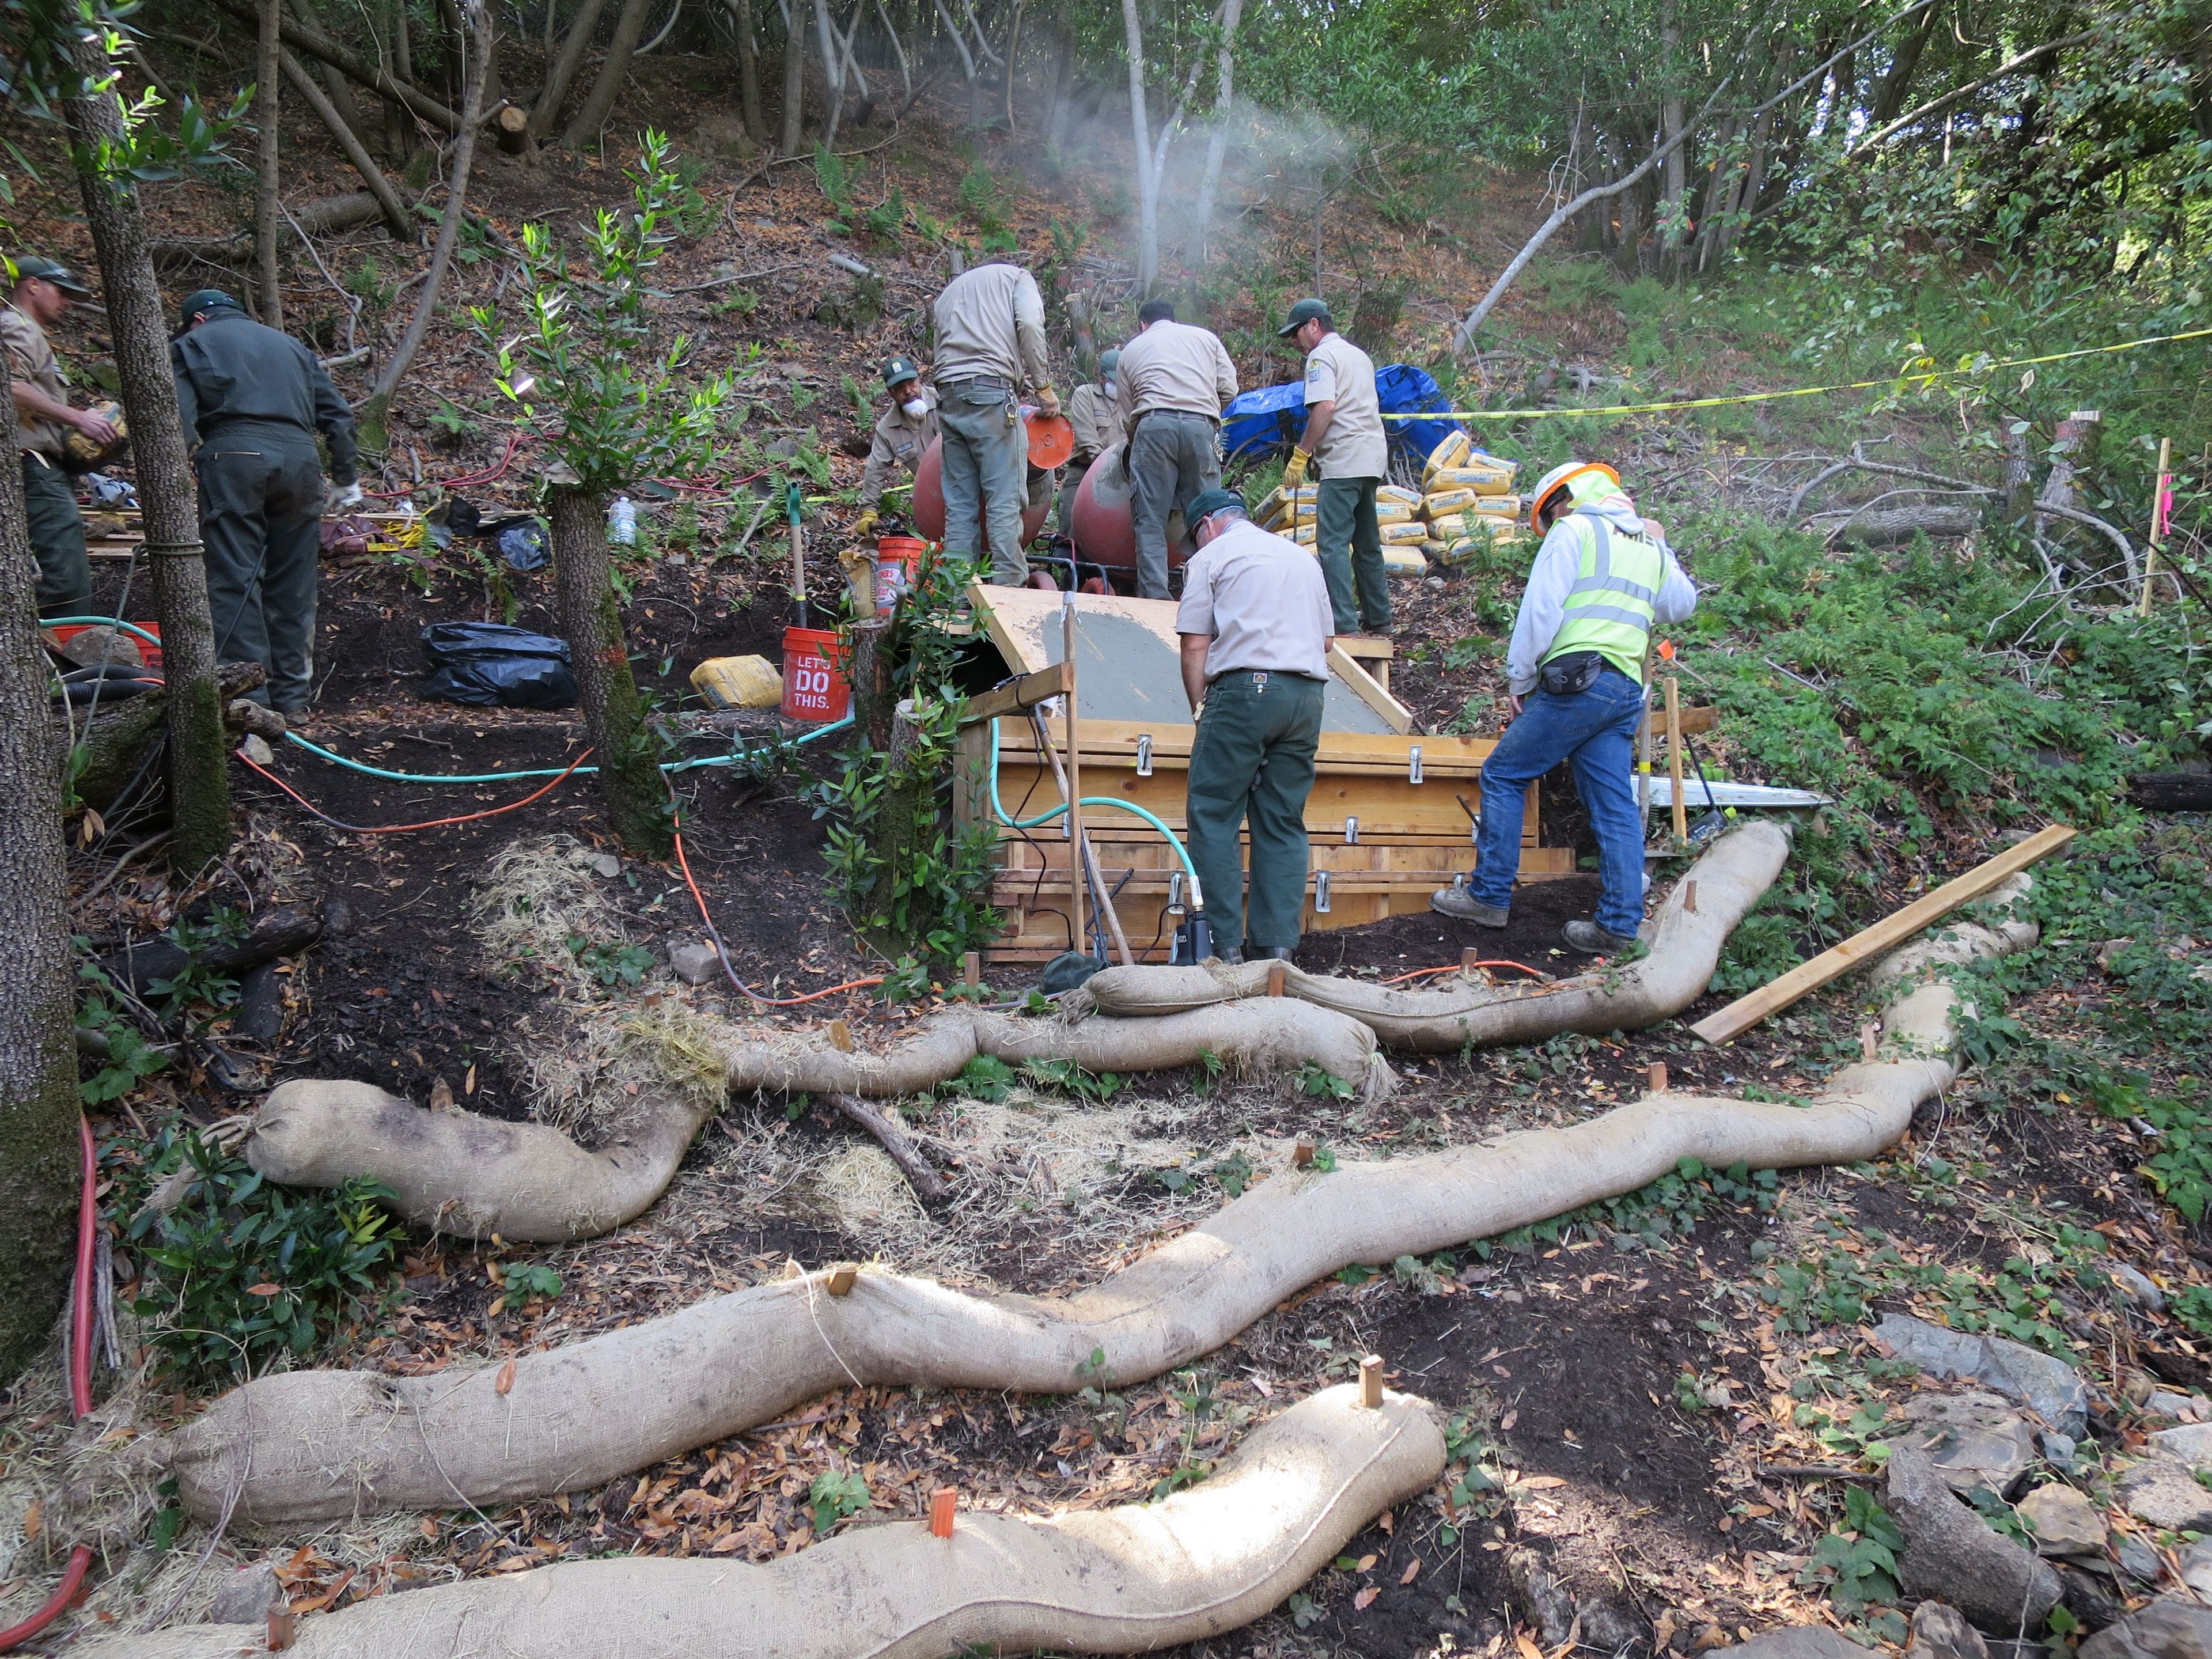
(1609, 608)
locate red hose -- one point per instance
(80, 1364)
(1458, 967)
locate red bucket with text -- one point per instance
(815, 686)
(898, 566)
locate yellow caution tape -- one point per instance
(1923, 380)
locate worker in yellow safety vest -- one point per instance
(1603, 578)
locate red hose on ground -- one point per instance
(1458, 967)
(431, 824)
(80, 1381)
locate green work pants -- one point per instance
(261, 507)
(1350, 545)
(56, 539)
(1252, 763)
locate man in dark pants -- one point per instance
(43, 420)
(1254, 626)
(1343, 436)
(1176, 377)
(1603, 578)
(253, 399)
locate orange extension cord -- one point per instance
(1458, 967)
(432, 824)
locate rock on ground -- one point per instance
(1940, 1631)
(1798, 1642)
(2064, 1522)
(2050, 1386)
(1973, 1439)
(694, 964)
(2166, 1494)
(2197, 1566)
(2192, 1443)
(1951, 1554)
(2172, 1627)
(245, 1596)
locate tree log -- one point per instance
(396, 218)
(332, 213)
(1894, 527)
(2171, 792)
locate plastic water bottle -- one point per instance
(622, 522)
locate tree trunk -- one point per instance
(199, 780)
(795, 83)
(449, 225)
(630, 783)
(562, 73)
(1148, 200)
(39, 1106)
(749, 91)
(1217, 141)
(268, 213)
(833, 72)
(1890, 90)
(396, 217)
(589, 120)
(336, 89)
(1675, 180)
(398, 135)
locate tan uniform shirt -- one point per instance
(990, 320)
(1095, 415)
(1174, 365)
(1356, 447)
(31, 360)
(900, 439)
(1264, 600)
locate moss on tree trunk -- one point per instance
(628, 758)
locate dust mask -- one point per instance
(916, 407)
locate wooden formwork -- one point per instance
(1384, 842)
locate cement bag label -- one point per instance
(1393, 512)
(1397, 493)
(1412, 533)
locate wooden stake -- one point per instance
(1468, 959)
(971, 967)
(1690, 897)
(1302, 1154)
(2158, 497)
(1674, 758)
(1275, 978)
(283, 1626)
(1370, 1381)
(1883, 937)
(840, 1280)
(1869, 1041)
(1076, 871)
(942, 1504)
(1658, 1076)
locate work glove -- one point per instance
(342, 498)
(1048, 402)
(1294, 469)
(865, 525)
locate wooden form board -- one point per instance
(1129, 663)
(1410, 838)
(1883, 937)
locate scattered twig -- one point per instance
(927, 1184)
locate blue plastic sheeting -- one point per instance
(1275, 415)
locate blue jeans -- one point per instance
(986, 476)
(1594, 730)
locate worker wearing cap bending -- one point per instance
(1344, 437)
(1095, 411)
(1175, 379)
(1603, 578)
(44, 421)
(252, 399)
(990, 344)
(1255, 633)
(906, 428)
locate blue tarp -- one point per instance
(1275, 415)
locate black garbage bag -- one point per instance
(490, 666)
(521, 541)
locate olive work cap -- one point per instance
(54, 272)
(1304, 312)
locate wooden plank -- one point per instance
(1696, 722)
(1364, 686)
(1880, 939)
(1016, 696)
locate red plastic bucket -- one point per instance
(815, 686)
(898, 563)
(150, 655)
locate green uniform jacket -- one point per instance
(232, 369)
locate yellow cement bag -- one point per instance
(738, 682)
(1450, 452)
(1405, 561)
(1397, 493)
(1438, 502)
(1393, 512)
(1485, 476)
(1303, 535)
(1411, 534)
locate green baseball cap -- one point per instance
(206, 298)
(899, 370)
(1207, 502)
(1304, 312)
(1108, 361)
(54, 272)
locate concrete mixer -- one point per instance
(1106, 524)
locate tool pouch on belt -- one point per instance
(1576, 670)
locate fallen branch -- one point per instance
(332, 213)
(397, 219)
(320, 1445)
(927, 1184)
(1141, 1578)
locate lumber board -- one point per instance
(1016, 696)
(1880, 939)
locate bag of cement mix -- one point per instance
(1405, 561)
(1449, 453)
(1393, 512)
(1390, 492)
(1446, 501)
(1484, 475)
(1411, 534)
(1304, 535)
